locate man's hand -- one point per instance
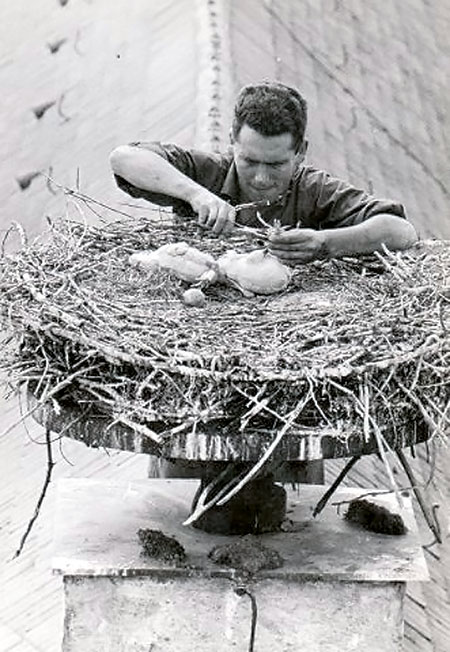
(213, 212)
(297, 245)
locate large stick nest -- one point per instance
(353, 345)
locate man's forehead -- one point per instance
(249, 141)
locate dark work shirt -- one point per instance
(314, 199)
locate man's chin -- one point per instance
(262, 195)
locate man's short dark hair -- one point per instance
(271, 109)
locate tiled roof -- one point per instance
(126, 71)
(376, 80)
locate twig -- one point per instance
(140, 428)
(260, 463)
(381, 443)
(48, 182)
(53, 310)
(367, 494)
(380, 440)
(87, 199)
(366, 421)
(327, 495)
(15, 226)
(395, 257)
(389, 267)
(430, 517)
(202, 506)
(434, 427)
(434, 510)
(45, 397)
(48, 476)
(262, 203)
(258, 403)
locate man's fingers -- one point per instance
(304, 246)
(203, 215)
(282, 253)
(221, 220)
(295, 246)
(216, 215)
(212, 218)
(292, 256)
(298, 245)
(225, 220)
(290, 237)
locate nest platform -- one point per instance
(353, 356)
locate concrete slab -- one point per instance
(97, 523)
(340, 588)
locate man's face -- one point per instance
(264, 164)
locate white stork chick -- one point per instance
(257, 272)
(185, 262)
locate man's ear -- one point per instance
(301, 152)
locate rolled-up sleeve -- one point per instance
(335, 203)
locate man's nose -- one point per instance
(262, 175)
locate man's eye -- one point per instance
(273, 166)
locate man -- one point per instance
(326, 217)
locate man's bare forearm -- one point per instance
(302, 245)
(371, 235)
(149, 171)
